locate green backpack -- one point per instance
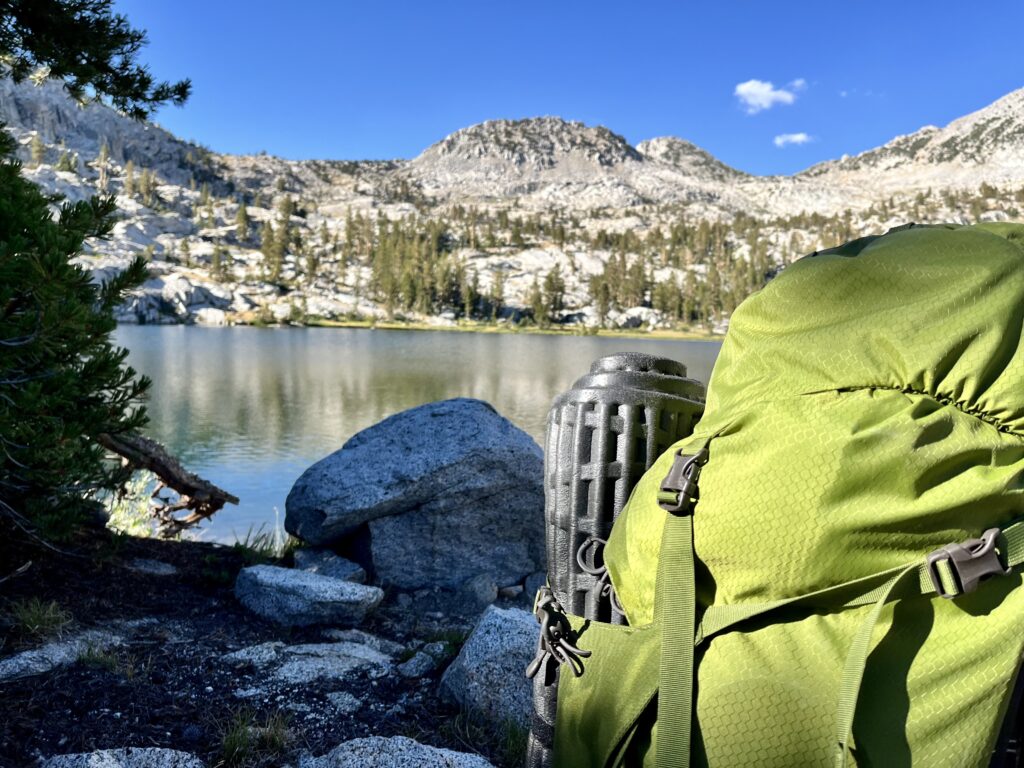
(843, 590)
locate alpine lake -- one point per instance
(251, 408)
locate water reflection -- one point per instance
(251, 408)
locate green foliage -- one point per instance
(33, 618)
(242, 222)
(64, 163)
(129, 179)
(128, 508)
(506, 742)
(88, 46)
(220, 263)
(62, 381)
(37, 150)
(119, 662)
(250, 740)
(264, 546)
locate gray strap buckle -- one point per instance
(970, 562)
(678, 492)
(555, 643)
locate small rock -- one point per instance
(480, 591)
(511, 592)
(344, 703)
(389, 647)
(419, 665)
(130, 757)
(327, 563)
(299, 598)
(439, 650)
(151, 567)
(329, 661)
(488, 674)
(258, 655)
(393, 752)
(59, 653)
(534, 582)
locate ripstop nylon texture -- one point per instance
(870, 405)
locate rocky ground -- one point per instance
(145, 645)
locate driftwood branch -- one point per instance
(199, 497)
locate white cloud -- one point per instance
(756, 95)
(792, 138)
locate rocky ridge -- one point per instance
(493, 179)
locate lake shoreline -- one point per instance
(484, 328)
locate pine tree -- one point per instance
(102, 161)
(37, 150)
(242, 222)
(538, 304)
(186, 253)
(146, 187)
(62, 380)
(273, 255)
(554, 291)
(63, 383)
(129, 179)
(219, 263)
(64, 162)
(496, 298)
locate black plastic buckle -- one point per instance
(970, 562)
(678, 492)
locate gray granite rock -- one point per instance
(344, 703)
(393, 752)
(385, 646)
(151, 567)
(58, 653)
(449, 490)
(534, 582)
(129, 757)
(327, 563)
(480, 591)
(487, 676)
(299, 598)
(257, 655)
(281, 664)
(419, 665)
(329, 661)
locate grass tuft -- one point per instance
(33, 618)
(248, 741)
(506, 743)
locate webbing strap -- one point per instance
(862, 591)
(877, 590)
(678, 606)
(856, 661)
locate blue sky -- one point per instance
(381, 79)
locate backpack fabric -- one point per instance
(836, 582)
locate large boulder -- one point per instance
(59, 653)
(448, 491)
(393, 752)
(130, 757)
(300, 598)
(488, 676)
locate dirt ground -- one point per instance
(167, 686)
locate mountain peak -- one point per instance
(536, 142)
(687, 157)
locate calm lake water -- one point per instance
(251, 408)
